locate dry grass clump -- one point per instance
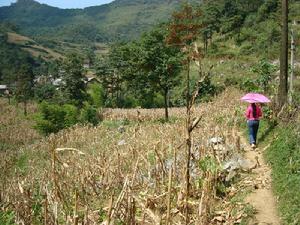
(141, 114)
(133, 175)
(15, 129)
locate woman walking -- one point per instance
(253, 115)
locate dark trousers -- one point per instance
(253, 128)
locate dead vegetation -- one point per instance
(15, 129)
(133, 175)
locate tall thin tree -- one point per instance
(24, 85)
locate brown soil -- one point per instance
(262, 198)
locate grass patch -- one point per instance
(7, 218)
(284, 157)
(22, 163)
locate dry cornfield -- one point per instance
(134, 174)
(15, 130)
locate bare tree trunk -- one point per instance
(166, 104)
(168, 219)
(283, 85)
(25, 107)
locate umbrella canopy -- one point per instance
(255, 98)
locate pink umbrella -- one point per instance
(255, 98)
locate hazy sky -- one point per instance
(64, 3)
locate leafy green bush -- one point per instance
(130, 101)
(96, 94)
(265, 70)
(249, 85)
(88, 114)
(247, 49)
(44, 92)
(207, 89)
(71, 115)
(51, 118)
(232, 81)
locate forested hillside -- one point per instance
(11, 57)
(119, 20)
(252, 24)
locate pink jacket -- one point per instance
(249, 113)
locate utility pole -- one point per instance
(283, 78)
(293, 49)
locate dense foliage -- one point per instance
(53, 117)
(141, 73)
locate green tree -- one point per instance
(161, 63)
(96, 94)
(105, 73)
(211, 21)
(119, 72)
(51, 118)
(73, 79)
(24, 85)
(266, 9)
(264, 70)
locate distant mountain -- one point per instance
(119, 20)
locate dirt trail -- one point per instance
(262, 198)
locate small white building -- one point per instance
(3, 89)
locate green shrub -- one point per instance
(207, 89)
(247, 49)
(249, 85)
(71, 116)
(232, 81)
(130, 101)
(96, 94)
(264, 70)
(88, 114)
(158, 100)
(44, 92)
(51, 118)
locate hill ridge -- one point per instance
(118, 20)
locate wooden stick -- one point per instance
(75, 209)
(46, 211)
(120, 198)
(160, 160)
(110, 205)
(156, 219)
(169, 197)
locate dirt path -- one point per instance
(262, 198)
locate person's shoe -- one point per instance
(253, 146)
